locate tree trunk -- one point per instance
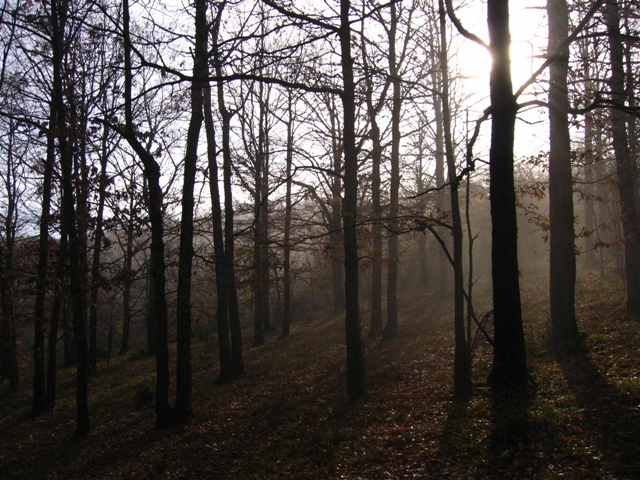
(58, 302)
(128, 264)
(9, 360)
(462, 359)
(391, 326)
(589, 165)
(376, 208)
(562, 260)
(444, 268)
(39, 388)
(184, 381)
(624, 162)
(258, 303)
(356, 385)
(336, 238)
(77, 267)
(9, 354)
(286, 314)
(264, 221)
(97, 250)
(509, 356)
(231, 358)
(152, 175)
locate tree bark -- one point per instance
(184, 381)
(462, 358)
(128, 264)
(229, 333)
(562, 259)
(97, 250)
(286, 313)
(509, 357)
(624, 162)
(76, 266)
(391, 326)
(152, 175)
(58, 301)
(356, 385)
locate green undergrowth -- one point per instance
(289, 417)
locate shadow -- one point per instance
(454, 443)
(611, 417)
(511, 453)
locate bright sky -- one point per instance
(528, 35)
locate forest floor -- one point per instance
(289, 418)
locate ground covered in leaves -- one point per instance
(288, 417)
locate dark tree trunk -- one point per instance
(376, 230)
(9, 353)
(391, 326)
(356, 385)
(231, 357)
(462, 359)
(258, 302)
(184, 379)
(77, 267)
(150, 320)
(58, 301)
(39, 389)
(624, 161)
(286, 313)
(9, 359)
(376, 208)
(152, 175)
(222, 315)
(128, 265)
(443, 266)
(509, 357)
(422, 238)
(589, 165)
(97, 250)
(562, 264)
(264, 228)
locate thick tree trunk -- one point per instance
(562, 264)
(39, 389)
(77, 267)
(356, 385)
(624, 161)
(184, 382)
(509, 358)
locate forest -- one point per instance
(337, 239)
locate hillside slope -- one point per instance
(288, 417)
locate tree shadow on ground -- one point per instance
(610, 416)
(511, 453)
